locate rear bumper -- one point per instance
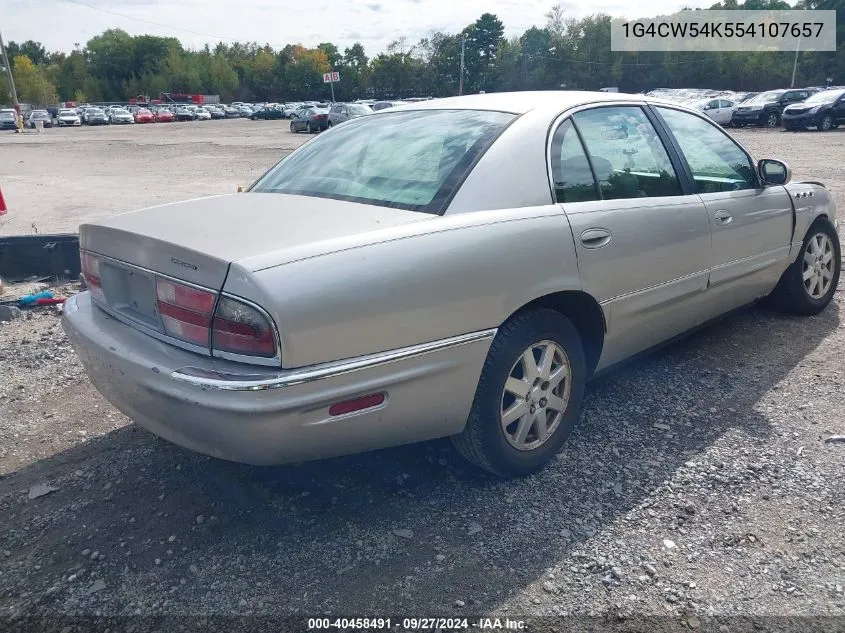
(247, 414)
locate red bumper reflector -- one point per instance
(348, 406)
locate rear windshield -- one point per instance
(408, 160)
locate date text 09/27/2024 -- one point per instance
(415, 624)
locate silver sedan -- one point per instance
(402, 277)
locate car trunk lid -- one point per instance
(196, 241)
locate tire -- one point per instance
(330, 124)
(292, 128)
(308, 128)
(772, 119)
(485, 441)
(825, 124)
(792, 294)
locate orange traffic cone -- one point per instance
(2, 203)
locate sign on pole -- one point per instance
(331, 78)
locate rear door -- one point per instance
(642, 240)
(752, 224)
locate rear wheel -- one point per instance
(292, 127)
(808, 284)
(529, 395)
(308, 128)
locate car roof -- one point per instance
(522, 102)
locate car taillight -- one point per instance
(322, 116)
(185, 311)
(90, 265)
(239, 328)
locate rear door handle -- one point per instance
(595, 238)
(723, 217)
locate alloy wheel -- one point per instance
(536, 395)
(772, 121)
(818, 266)
(826, 124)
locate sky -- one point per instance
(60, 24)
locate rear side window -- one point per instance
(411, 160)
(573, 177)
(627, 155)
(716, 161)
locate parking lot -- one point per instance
(698, 484)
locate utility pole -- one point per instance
(795, 62)
(11, 85)
(461, 80)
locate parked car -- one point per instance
(243, 342)
(383, 105)
(142, 115)
(8, 119)
(766, 108)
(312, 119)
(341, 112)
(95, 116)
(183, 114)
(823, 111)
(39, 115)
(201, 114)
(267, 113)
(231, 113)
(119, 115)
(720, 110)
(244, 111)
(67, 117)
(290, 108)
(216, 112)
(163, 115)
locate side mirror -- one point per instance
(774, 172)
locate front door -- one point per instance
(643, 245)
(751, 223)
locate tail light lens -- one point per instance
(200, 317)
(239, 328)
(185, 311)
(90, 265)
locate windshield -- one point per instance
(7, 115)
(766, 97)
(828, 96)
(407, 160)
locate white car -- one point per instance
(68, 117)
(720, 110)
(119, 115)
(201, 114)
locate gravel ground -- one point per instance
(698, 485)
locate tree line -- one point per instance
(565, 52)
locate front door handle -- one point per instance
(595, 238)
(723, 217)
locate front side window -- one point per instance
(716, 161)
(627, 155)
(411, 160)
(573, 178)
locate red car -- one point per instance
(142, 115)
(164, 116)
